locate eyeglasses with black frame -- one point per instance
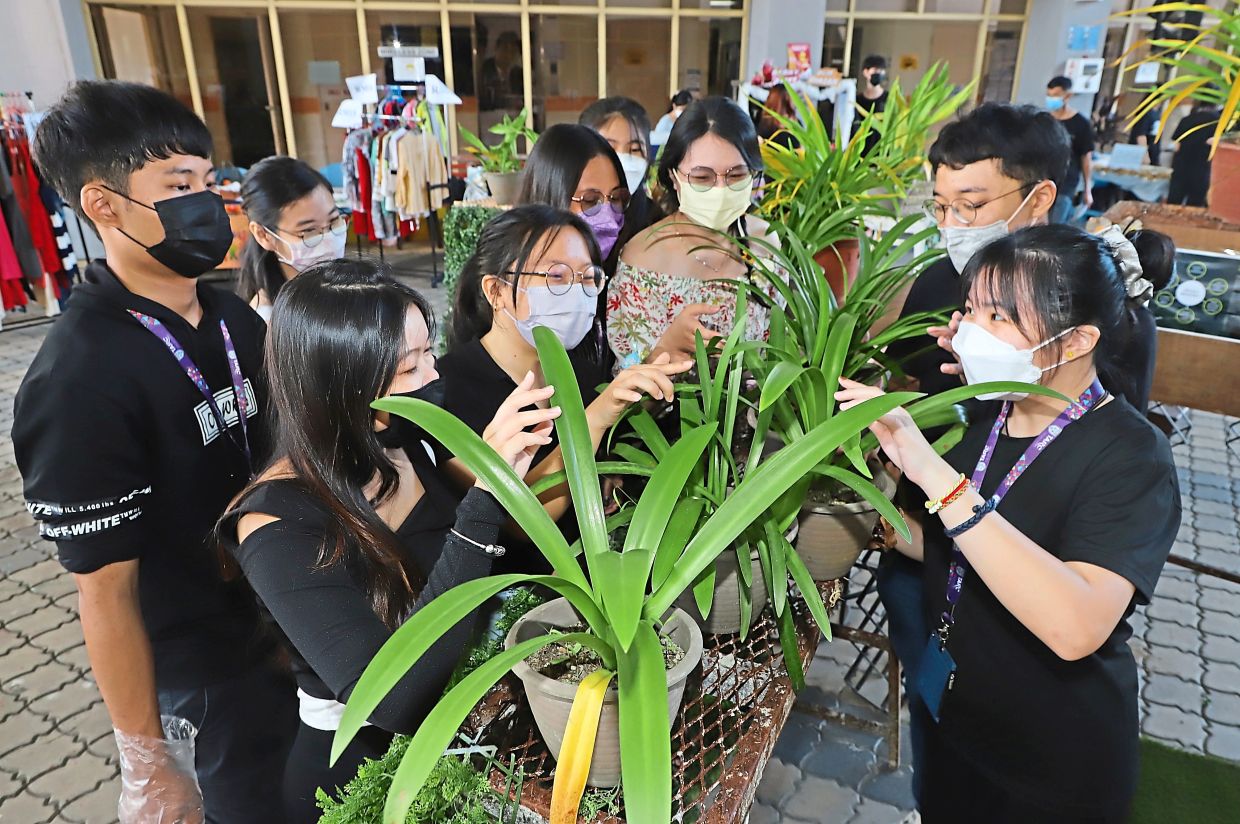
(965, 210)
(560, 277)
(704, 178)
(591, 200)
(313, 237)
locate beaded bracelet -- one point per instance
(980, 511)
(494, 550)
(951, 497)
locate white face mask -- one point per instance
(986, 358)
(716, 208)
(963, 241)
(635, 168)
(301, 257)
(569, 315)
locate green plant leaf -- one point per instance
(782, 376)
(646, 428)
(872, 495)
(625, 574)
(680, 526)
(439, 727)
(512, 493)
(759, 490)
(777, 583)
(704, 592)
(786, 624)
(413, 638)
(576, 445)
(645, 730)
(810, 593)
(660, 496)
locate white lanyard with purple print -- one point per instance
(157, 328)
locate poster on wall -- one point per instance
(323, 72)
(799, 57)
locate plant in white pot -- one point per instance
(501, 163)
(622, 600)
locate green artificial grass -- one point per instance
(1180, 786)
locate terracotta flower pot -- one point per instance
(840, 262)
(1224, 197)
(551, 700)
(504, 186)
(833, 535)
(725, 609)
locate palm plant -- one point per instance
(621, 597)
(502, 158)
(1207, 65)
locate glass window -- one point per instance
(487, 69)
(833, 40)
(1010, 6)
(956, 6)
(867, 6)
(837, 5)
(998, 76)
(565, 62)
(638, 61)
(912, 47)
(142, 44)
(710, 54)
(237, 78)
(320, 51)
(710, 4)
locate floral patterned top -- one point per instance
(642, 303)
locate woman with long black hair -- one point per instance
(537, 266)
(351, 527)
(1041, 531)
(625, 125)
(672, 280)
(294, 224)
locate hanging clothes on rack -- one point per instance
(24, 267)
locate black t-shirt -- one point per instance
(936, 289)
(324, 613)
(1058, 732)
(1193, 153)
(122, 459)
(474, 387)
(1081, 139)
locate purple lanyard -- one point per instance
(157, 328)
(959, 565)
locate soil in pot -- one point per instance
(571, 663)
(551, 699)
(835, 527)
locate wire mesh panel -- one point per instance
(734, 708)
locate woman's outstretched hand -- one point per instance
(897, 434)
(652, 379)
(516, 435)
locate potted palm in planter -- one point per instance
(501, 163)
(622, 600)
(1207, 69)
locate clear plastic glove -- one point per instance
(158, 782)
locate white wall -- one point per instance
(37, 55)
(773, 24)
(1046, 46)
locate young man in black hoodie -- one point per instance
(996, 170)
(139, 419)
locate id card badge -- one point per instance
(935, 675)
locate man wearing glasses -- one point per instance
(996, 170)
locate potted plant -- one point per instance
(1207, 69)
(501, 163)
(621, 599)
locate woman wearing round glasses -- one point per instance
(294, 223)
(536, 266)
(573, 167)
(678, 277)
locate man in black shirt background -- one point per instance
(996, 170)
(1190, 167)
(140, 418)
(1081, 135)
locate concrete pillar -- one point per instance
(773, 24)
(1046, 46)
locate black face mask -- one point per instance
(403, 432)
(197, 234)
(878, 79)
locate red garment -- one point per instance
(26, 185)
(362, 224)
(11, 292)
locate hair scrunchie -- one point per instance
(1139, 288)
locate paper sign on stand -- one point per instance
(408, 69)
(348, 116)
(439, 94)
(364, 88)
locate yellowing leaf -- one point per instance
(576, 753)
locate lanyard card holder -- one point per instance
(936, 673)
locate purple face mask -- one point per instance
(606, 224)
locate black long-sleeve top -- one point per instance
(331, 628)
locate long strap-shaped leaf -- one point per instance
(872, 495)
(664, 489)
(572, 768)
(575, 444)
(623, 576)
(437, 730)
(413, 638)
(645, 730)
(759, 491)
(511, 492)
